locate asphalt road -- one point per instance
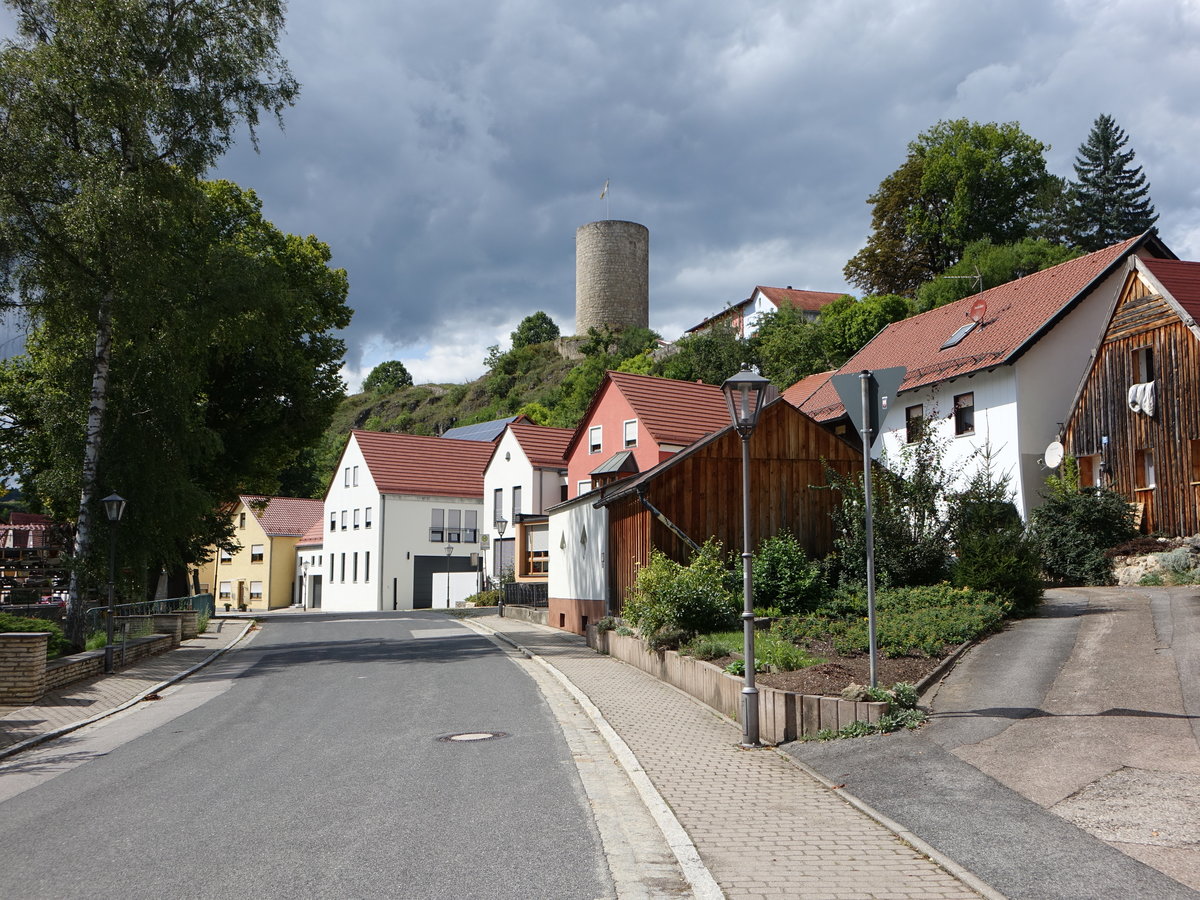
(1041, 716)
(311, 763)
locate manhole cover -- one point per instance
(470, 736)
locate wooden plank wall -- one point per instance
(1143, 318)
(703, 495)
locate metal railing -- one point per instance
(524, 593)
(94, 616)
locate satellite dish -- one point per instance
(978, 310)
(1053, 455)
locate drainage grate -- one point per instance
(472, 737)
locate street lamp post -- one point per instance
(114, 508)
(744, 393)
(304, 585)
(498, 560)
(449, 553)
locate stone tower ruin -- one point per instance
(612, 275)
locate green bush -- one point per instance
(669, 599)
(485, 598)
(784, 578)
(713, 646)
(57, 646)
(1072, 529)
(909, 621)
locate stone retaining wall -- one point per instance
(23, 667)
(782, 715)
(35, 680)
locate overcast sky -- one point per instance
(447, 151)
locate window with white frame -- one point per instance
(354, 567)
(595, 439)
(470, 533)
(256, 553)
(226, 590)
(497, 505)
(437, 525)
(367, 517)
(630, 428)
(354, 477)
(241, 521)
(226, 556)
(346, 482)
(454, 526)
(964, 414)
(516, 501)
(333, 520)
(343, 568)
(356, 520)
(256, 590)
(582, 487)
(343, 520)
(367, 565)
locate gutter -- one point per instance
(671, 526)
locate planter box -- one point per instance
(782, 715)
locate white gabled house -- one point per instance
(525, 476)
(997, 370)
(396, 504)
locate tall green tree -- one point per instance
(1111, 199)
(986, 265)
(961, 181)
(217, 393)
(387, 377)
(109, 112)
(536, 328)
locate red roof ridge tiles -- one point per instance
(812, 301)
(1018, 313)
(422, 465)
(544, 446)
(284, 516)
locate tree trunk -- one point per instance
(91, 459)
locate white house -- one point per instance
(996, 370)
(400, 509)
(526, 475)
(744, 317)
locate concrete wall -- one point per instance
(782, 715)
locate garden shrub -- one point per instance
(485, 598)
(669, 600)
(1073, 528)
(58, 645)
(909, 621)
(910, 524)
(1180, 565)
(784, 578)
(992, 550)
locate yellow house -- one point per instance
(261, 574)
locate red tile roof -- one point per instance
(1018, 313)
(416, 464)
(284, 516)
(315, 535)
(673, 412)
(805, 388)
(544, 446)
(1181, 279)
(812, 301)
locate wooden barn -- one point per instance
(1135, 422)
(697, 494)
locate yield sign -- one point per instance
(880, 387)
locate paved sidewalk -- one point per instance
(763, 826)
(77, 704)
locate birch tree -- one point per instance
(109, 112)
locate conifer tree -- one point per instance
(1110, 198)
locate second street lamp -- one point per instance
(744, 394)
(449, 553)
(114, 508)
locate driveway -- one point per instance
(1063, 755)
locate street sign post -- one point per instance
(867, 397)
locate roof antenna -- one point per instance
(977, 280)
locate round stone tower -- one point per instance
(612, 275)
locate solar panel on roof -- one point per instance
(480, 431)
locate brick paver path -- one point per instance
(764, 827)
(84, 699)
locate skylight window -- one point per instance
(957, 337)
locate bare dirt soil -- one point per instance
(830, 678)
